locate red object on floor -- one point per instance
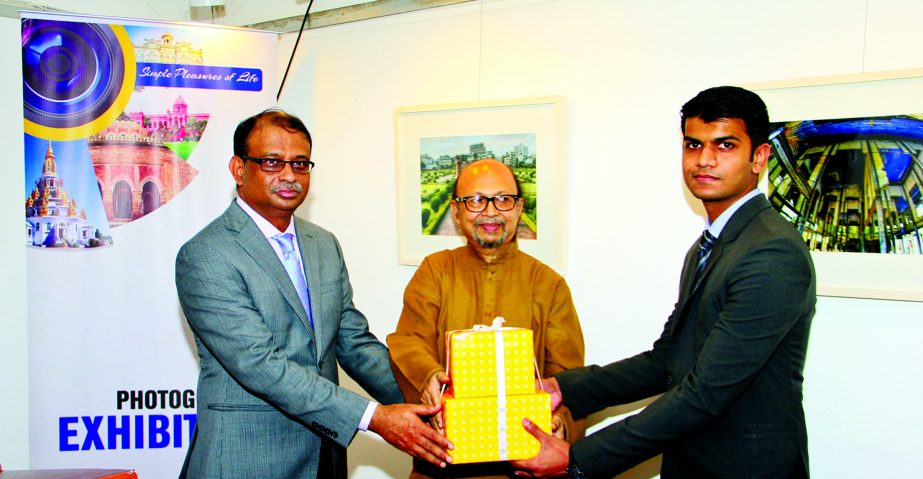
(70, 474)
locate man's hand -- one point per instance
(557, 427)
(432, 396)
(550, 385)
(401, 425)
(551, 461)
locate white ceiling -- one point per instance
(278, 15)
(234, 12)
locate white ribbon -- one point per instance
(500, 358)
(496, 324)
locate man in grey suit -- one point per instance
(729, 362)
(269, 302)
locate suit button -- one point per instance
(320, 365)
(669, 380)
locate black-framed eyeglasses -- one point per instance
(273, 165)
(478, 203)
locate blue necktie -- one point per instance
(292, 262)
(705, 245)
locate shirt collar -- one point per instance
(263, 224)
(722, 220)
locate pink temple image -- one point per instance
(177, 124)
(136, 171)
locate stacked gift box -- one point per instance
(493, 389)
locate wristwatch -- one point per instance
(573, 469)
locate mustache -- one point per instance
(482, 220)
(287, 185)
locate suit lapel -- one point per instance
(310, 260)
(685, 283)
(742, 218)
(728, 235)
(733, 228)
(252, 241)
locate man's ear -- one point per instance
(760, 158)
(237, 166)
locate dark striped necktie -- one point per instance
(705, 245)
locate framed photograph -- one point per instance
(434, 142)
(847, 171)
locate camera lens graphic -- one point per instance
(63, 73)
(77, 77)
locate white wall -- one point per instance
(625, 67)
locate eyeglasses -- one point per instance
(272, 165)
(478, 203)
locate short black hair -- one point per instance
(730, 102)
(515, 180)
(275, 117)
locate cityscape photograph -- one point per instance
(441, 159)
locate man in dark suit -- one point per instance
(269, 302)
(730, 359)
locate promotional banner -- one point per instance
(128, 132)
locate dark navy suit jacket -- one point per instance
(728, 364)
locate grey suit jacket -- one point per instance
(267, 392)
(729, 364)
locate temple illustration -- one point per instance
(52, 219)
(167, 50)
(136, 172)
(177, 124)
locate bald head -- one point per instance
(481, 169)
(492, 190)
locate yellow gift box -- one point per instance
(489, 362)
(485, 429)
